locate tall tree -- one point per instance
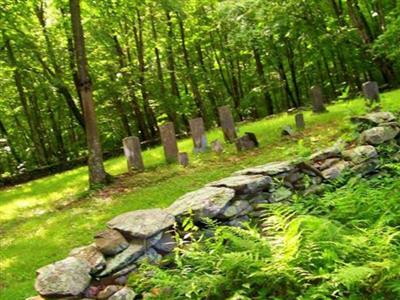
(97, 174)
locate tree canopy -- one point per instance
(152, 61)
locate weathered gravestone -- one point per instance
(299, 118)
(133, 153)
(198, 135)
(183, 159)
(217, 146)
(371, 91)
(317, 97)
(168, 140)
(227, 123)
(246, 142)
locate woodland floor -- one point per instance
(41, 221)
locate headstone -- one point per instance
(217, 147)
(246, 142)
(317, 97)
(168, 140)
(133, 153)
(299, 121)
(198, 135)
(227, 123)
(287, 131)
(371, 91)
(183, 159)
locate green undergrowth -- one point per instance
(41, 221)
(342, 245)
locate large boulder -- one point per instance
(110, 242)
(270, 169)
(123, 259)
(92, 256)
(206, 202)
(237, 208)
(244, 184)
(67, 277)
(375, 118)
(326, 153)
(379, 135)
(335, 170)
(360, 154)
(142, 223)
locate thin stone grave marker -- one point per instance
(317, 97)
(198, 135)
(168, 140)
(133, 153)
(299, 118)
(371, 91)
(227, 123)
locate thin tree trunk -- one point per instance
(34, 134)
(97, 174)
(138, 35)
(263, 82)
(198, 99)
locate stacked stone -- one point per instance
(100, 270)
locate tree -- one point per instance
(97, 174)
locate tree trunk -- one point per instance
(138, 35)
(39, 151)
(97, 174)
(198, 99)
(263, 82)
(140, 120)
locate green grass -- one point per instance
(41, 221)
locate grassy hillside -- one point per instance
(41, 221)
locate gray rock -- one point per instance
(335, 171)
(166, 244)
(206, 202)
(92, 256)
(375, 118)
(238, 222)
(244, 184)
(123, 259)
(360, 154)
(142, 223)
(110, 242)
(151, 256)
(287, 131)
(280, 194)
(122, 274)
(366, 167)
(123, 294)
(326, 153)
(246, 142)
(323, 165)
(273, 168)
(67, 277)
(237, 208)
(108, 291)
(379, 135)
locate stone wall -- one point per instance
(100, 270)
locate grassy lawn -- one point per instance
(41, 221)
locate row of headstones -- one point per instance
(370, 90)
(132, 147)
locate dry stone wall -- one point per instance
(100, 270)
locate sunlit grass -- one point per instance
(41, 221)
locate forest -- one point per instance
(155, 61)
(200, 149)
